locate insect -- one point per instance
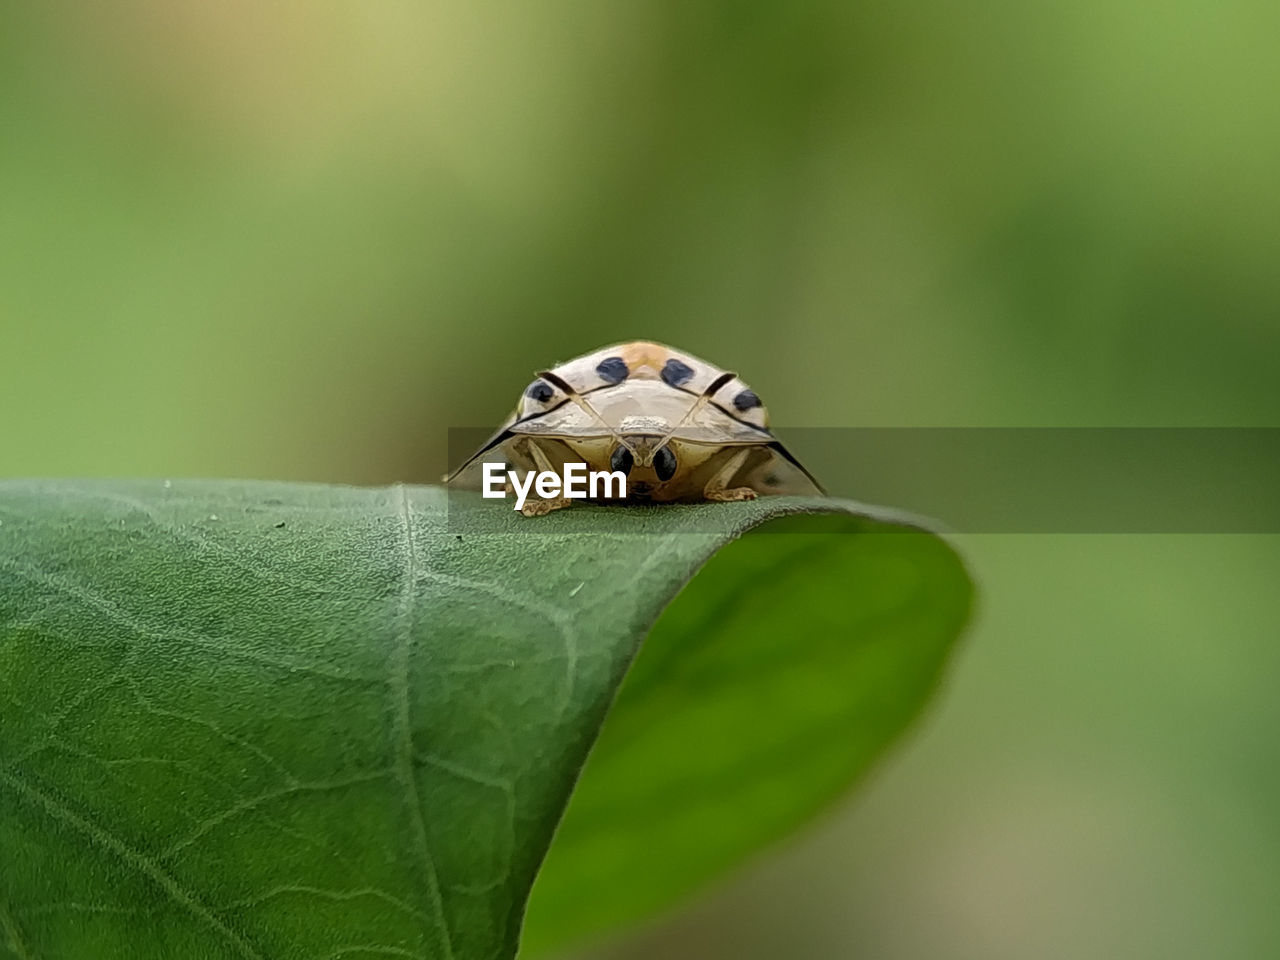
(678, 428)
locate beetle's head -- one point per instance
(645, 460)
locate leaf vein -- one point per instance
(564, 626)
(245, 806)
(112, 612)
(399, 684)
(139, 861)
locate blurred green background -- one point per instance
(300, 240)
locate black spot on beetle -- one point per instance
(280, 525)
(539, 390)
(676, 373)
(612, 369)
(746, 400)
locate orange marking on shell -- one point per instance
(645, 359)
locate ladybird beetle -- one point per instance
(678, 428)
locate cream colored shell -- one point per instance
(644, 394)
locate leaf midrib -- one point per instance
(399, 688)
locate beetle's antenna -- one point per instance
(698, 404)
(561, 384)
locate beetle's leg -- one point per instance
(540, 508)
(717, 487)
(731, 493)
(535, 507)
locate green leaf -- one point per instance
(253, 720)
(764, 691)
